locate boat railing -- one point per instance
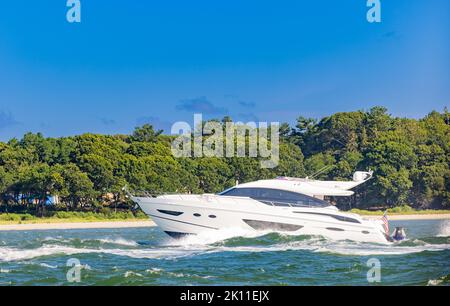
(150, 193)
(157, 194)
(154, 194)
(210, 197)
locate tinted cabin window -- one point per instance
(275, 197)
(170, 212)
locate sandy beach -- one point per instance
(149, 223)
(75, 225)
(412, 217)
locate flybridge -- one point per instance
(358, 176)
(314, 187)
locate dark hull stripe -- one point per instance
(267, 225)
(183, 222)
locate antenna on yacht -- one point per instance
(321, 170)
(127, 192)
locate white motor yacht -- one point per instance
(283, 204)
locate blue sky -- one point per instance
(132, 62)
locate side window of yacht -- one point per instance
(282, 197)
(240, 192)
(304, 200)
(276, 197)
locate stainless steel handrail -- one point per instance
(151, 193)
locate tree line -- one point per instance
(409, 157)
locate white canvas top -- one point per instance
(312, 187)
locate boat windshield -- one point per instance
(276, 197)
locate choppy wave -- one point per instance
(221, 241)
(238, 240)
(119, 241)
(13, 254)
(444, 229)
(440, 281)
(162, 272)
(337, 247)
(212, 237)
(131, 274)
(45, 265)
(107, 240)
(154, 271)
(138, 256)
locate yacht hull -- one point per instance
(193, 214)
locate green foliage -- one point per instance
(78, 188)
(145, 133)
(400, 210)
(315, 163)
(214, 174)
(410, 159)
(72, 216)
(10, 217)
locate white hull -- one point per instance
(200, 213)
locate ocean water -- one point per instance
(147, 256)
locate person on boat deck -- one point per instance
(399, 234)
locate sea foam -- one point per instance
(231, 240)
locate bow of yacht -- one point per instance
(283, 204)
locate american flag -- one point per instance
(385, 222)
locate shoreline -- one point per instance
(150, 223)
(410, 217)
(76, 225)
